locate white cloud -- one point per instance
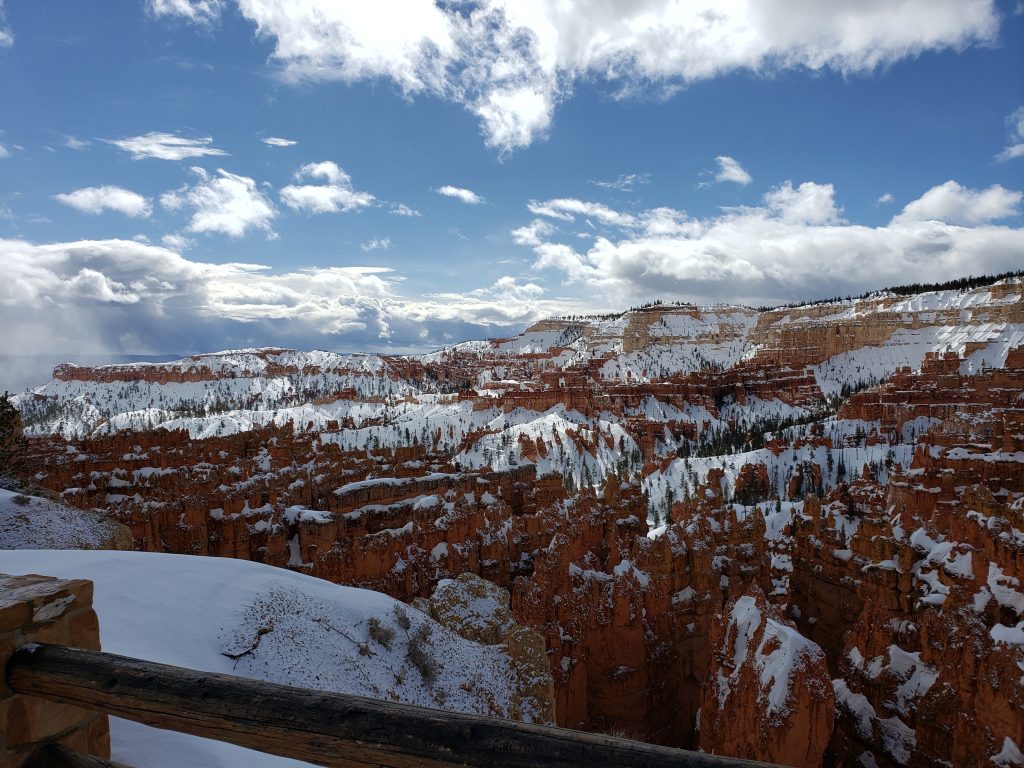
(126, 296)
(465, 195)
(225, 203)
(509, 62)
(166, 146)
(201, 12)
(276, 141)
(508, 287)
(72, 142)
(809, 203)
(376, 244)
(95, 200)
(730, 169)
(567, 208)
(533, 233)
(954, 204)
(1015, 126)
(886, 199)
(4, 152)
(177, 242)
(6, 36)
(794, 246)
(625, 183)
(337, 195)
(401, 209)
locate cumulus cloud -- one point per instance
(533, 233)
(166, 146)
(125, 296)
(376, 244)
(730, 169)
(401, 209)
(337, 195)
(225, 203)
(177, 242)
(95, 200)
(886, 199)
(795, 245)
(276, 141)
(1015, 126)
(465, 195)
(510, 62)
(4, 152)
(954, 204)
(510, 287)
(201, 12)
(809, 203)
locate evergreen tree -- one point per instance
(13, 445)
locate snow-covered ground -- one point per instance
(32, 522)
(190, 611)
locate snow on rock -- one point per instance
(473, 608)
(244, 618)
(1010, 754)
(890, 734)
(767, 694)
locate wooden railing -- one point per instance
(324, 728)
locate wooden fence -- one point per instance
(323, 728)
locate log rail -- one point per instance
(324, 728)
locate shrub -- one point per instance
(402, 618)
(379, 633)
(421, 654)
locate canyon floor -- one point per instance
(794, 535)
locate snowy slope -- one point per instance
(32, 522)
(189, 611)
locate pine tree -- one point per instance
(13, 445)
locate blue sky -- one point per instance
(750, 153)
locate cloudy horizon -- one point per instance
(215, 174)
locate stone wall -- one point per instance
(42, 609)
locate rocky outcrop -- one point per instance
(478, 610)
(768, 693)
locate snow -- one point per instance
(1002, 587)
(1001, 633)
(33, 522)
(776, 669)
(895, 737)
(627, 566)
(745, 618)
(188, 611)
(301, 514)
(916, 677)
(1009, 755)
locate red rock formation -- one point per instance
(768, 694)
(903, 576)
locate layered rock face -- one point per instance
(768, 694)
(793, 535)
